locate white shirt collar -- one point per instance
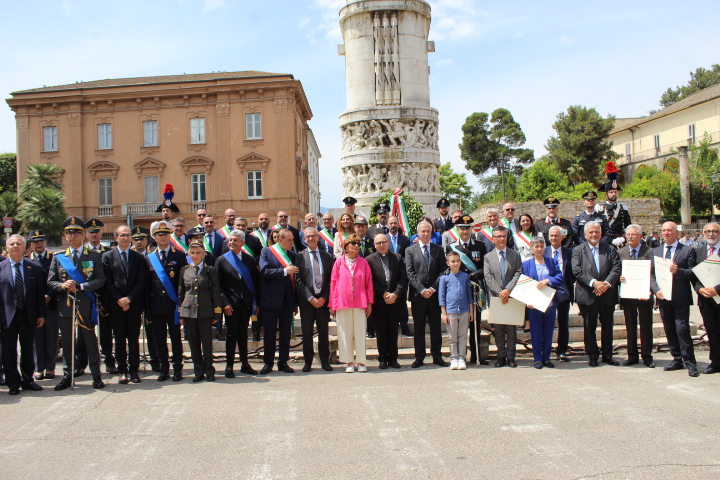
(498, 251)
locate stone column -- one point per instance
(685, 215)
(74, 179)
(222, 110)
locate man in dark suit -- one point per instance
(424, 263)
(313, 293)
(160, 305)
(141, 244)
(635, 309)
(596, 267)
(389, 287)
(213, 240)
(251, 246)
(22, 292)
(312, 222)
(397, 242)
(502, 269)
(239, 286)
(382, 213)
(709, 309)
(675, 313)
(282, 222)
(486, 234)
(277, 299)
(125, 274)
(444, 222)
(361, 230)
(563, 255)
(543, 225)
(90, 277)
(330, 231)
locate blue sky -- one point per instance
(534, 58)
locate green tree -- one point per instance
(43, 201)
(649, 182)
(413, 208)
(41, 175)
(581, 147)
(540, 181)
(9, 204)
(699, 79)
(454, 186)
(8, 172)
(496, 144)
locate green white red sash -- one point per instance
(525, 238)
(454, 234)
(342, 239)
(260, 237)
(487, 232)
(397, 209)
(282, 257)
(206, 241)
(179, 244)
(325, 235)
(247, 250)
(277, 227)
(506, 223)
(225, 231)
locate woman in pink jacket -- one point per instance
(351, 296)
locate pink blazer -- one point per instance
(348, 290)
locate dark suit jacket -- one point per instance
(304, 279)
(321, 242)
(119, 284)
(685, 258)
(93, 274)
(45, 264)
(493, 275)
(701, 254)
(35, 287)
(233, 289)
(329, 248)
(158, 300)
(217, 246)
(544, 227)
(583, 267)
(443, 225)
(277, 286)
(422, 276)
(490, 246)
(199, 296)
(567, 269)
(398, 278)
(645, 253)
(375, 229)
(369, 247)
(403, 242)
(252, 243)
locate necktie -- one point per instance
(712, 251)
(124, 259)
(19, 288)
(426, 255)
(197, 270)
(162, 256)
(667, 253)
(362, 247)
(555, 255)
(596, 258)
(75, 257)
(394, 244)
(210, 240)
(633, 254)
(502, 266)
(385, 230)
(316, 272)
(465, 245)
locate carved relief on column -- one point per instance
(373, 134)
(222, 109)
(387, 58)
(22, 121)
(376, 179)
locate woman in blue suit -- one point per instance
(547, 272)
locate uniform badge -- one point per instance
(172, 273)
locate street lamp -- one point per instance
(715, 178)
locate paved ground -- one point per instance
(568, 423)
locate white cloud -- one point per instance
(326, 26)
(304, 21)
(210, 5)
(455, 19)
(567, 40)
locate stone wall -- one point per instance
(646, 212)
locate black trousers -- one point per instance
(106, 344)
(309, 317)
(46, 342)
(161, 324)
(711, 319)
(88, 339)
(147, 321)
(200, 338)
(676, 320)
(404, 316)
(590, 314)
(126, 326)
(641, 310)
(274, 320)
(387, 319)
(237, 325)
(21, 329)
(427, 310)
(563, 327)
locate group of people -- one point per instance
(364, 276)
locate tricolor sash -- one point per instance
(225, 231)
(454, 234)
(342, 239)
(179, 244)
(247, 250)
(525, 238)
(487, 232)
(465, 259)
(277, 227)
(75, 275)
(165, 280)
(282, 257)
(206, 242)
(244, 273)
(325, 235)
(506, 223)
(260, 237)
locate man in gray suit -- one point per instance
(635, 309)
(709, 310)
(503, 267)
(596, 267)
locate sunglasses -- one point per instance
(509, 209)
(357, 244)
(282, 216)
(201, 215)
(208, 223)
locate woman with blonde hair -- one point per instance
(344, 228)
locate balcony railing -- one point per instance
(106, 211)
(140, 209)
(196, 205)
(668, 149)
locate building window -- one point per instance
(105, 191)
(197, 130)
(198, 187)
(691, 133)
(656, 140)
(151, 189)
(104, 136)
(50, 139)
(150, 134)
(628, 152)
(254, 180)
(253, 130)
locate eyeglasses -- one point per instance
(381, 242)
(712, 231)
(282, 216)
(311, 236)
(357, 244)
(499, 236)
(124, 235)
(509, 209)
(201, 215)
(208, 223)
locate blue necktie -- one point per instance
(19, 288)
(633, 254)
(394, 244)
(555, 256)
(502, 266)
(426, 255)
(667, 253)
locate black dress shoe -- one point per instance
(593, 363)
(394, 364)
(64, 383)
(39, 376)
(417, 364)
(177, 376)
(197, 379)
(2, 382)
(229, 373)
(710, 370)
(14, 390)
(610, 361)
(407, 332)
(440, 362)
(484, 362)
(327, 367)
(246, 368)
(266, 369)
(163, 376)
(370, 335)
(649, 363)
(674, 365)
(564, 358)
(383, 365)
(285, 368)
(49, 376)
(307, 367)
(220, 336)
(32, 386)
(549, 364)
(98, 383)
(79, 372)
(211, 378)
(112, 370)
(629, 362)
(156, 367)
(692, 370)
(538, 365)
(256, 337)
(501, 362)
(124, 379)
(135, 378)
(512, 365)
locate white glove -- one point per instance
(618, 242)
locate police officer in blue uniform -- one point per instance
(590, 214)
(444, 222)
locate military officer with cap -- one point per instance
(590, 214)
(616, 213)
(443, 223)
(543, 225)
(141, 240)
(382, 212)
(93, 233)
(84, 275)
(167, 207)
(350, 206)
